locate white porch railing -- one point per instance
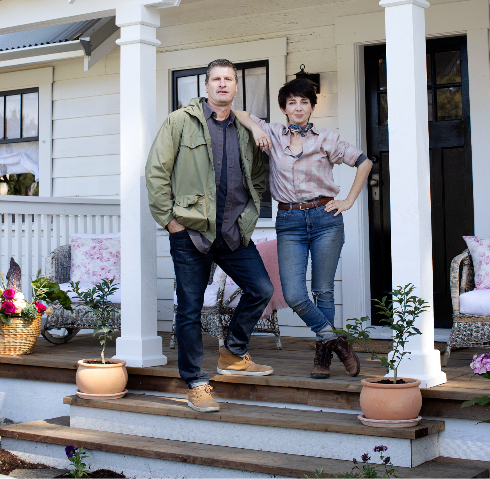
(31, 227)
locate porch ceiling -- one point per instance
(20, 15)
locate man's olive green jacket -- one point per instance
(180, 174)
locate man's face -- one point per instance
(221, 86)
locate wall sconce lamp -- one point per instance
(313, 78)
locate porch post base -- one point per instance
(140, 352)
(423, 365)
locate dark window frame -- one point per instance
(6, 94)
(239, 66)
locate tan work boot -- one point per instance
(345, 353)
(231, 364)
(323, 358)
(200, 399)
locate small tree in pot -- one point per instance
(400, 314)
(104, 379)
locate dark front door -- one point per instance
(450, 166)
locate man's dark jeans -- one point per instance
(192, 269)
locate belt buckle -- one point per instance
(301, 206)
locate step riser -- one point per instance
(403, 452)
(131, 466)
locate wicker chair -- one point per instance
(468, 331)
(215, 319)
(57, 266)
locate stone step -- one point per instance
(273, 429)
(145, 457)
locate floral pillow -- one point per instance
(480, 254)
(95, 257)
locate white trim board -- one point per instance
(43, 79)
(351, 34)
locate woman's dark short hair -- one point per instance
(302, 88)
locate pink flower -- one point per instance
(481, 363)
(8, 307)
(9, 293)
(40, 307)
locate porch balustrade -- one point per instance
(31, 227)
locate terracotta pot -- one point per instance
(102, 380)
(391, 401)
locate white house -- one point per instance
(107, 72)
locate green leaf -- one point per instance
(481, 401)
(44, 289)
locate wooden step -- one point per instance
(273, 429)
(120, 449)
(257, 415)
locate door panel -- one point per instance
(450, 166)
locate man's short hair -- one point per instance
(297, 87)
(221, 62)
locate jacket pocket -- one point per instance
(190, 211)
(193, 141)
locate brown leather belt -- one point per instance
(306, 205)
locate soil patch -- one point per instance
(9, 462)
(99, 473)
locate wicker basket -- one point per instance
(21, 337)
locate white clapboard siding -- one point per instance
(86, 107)
(89, 186)
(72, 69)
(85, 87)
(105, 165)
(87, 126)
(87, 146)
(31, 227)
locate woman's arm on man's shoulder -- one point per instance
(262, 139)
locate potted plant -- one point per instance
(20, 321)
(391, 401)
(100, 378)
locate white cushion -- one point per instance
(480, 254)
(84, 285)
(95, 257)
(475, 302)
(211, 295)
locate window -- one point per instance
(19, 142)
(252, 96)
(253, 88)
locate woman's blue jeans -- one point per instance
(192, 269)
(300, 232)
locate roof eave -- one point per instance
(40, 50)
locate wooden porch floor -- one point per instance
(290, 383)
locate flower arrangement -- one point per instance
(400, 314)
(14, 302)
(481, 367)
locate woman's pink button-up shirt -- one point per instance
(293, 179)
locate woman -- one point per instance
(309, 219)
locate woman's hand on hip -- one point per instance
(261, 138)
(339, 205)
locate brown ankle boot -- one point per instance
(323, 358)
(345, 353)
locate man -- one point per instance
(205, 177)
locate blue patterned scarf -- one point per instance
(302, 130)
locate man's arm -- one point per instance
(261, 138)
(158, 172)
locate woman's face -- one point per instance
(298, 110)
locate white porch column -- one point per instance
(139, 343)
(411, 241)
